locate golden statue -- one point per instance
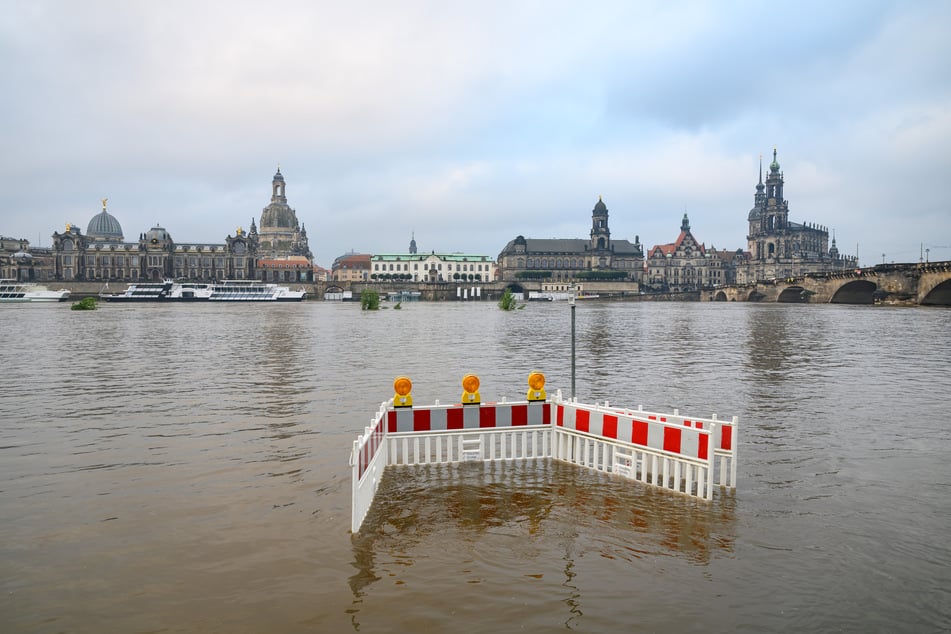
(104, 201)
(68, 227)
(239, 231)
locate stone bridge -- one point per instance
(904, 284)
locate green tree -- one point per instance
(369, 299)
(508, 301)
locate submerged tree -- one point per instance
(508, 301)
(369, 299)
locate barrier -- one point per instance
(367, 462)
(670, 451)
(723, 433)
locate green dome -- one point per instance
(774, 166)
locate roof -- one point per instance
(671, 248)
(420, 257)
(575, 246)
(104, 225)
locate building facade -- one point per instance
(293, 268)
(432, 267)
(102, 254)
(351, 267)
(684, 265)
(779, 248)
(20, 262)
(599, 257)
(280, 233)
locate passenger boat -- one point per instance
(225, 291)
(14, 291)
(252, 291)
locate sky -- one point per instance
(467, 124)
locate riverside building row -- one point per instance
(278, 251)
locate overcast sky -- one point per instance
(470, 123)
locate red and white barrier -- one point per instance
(666, 450)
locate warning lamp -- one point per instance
(402, 386)
(536, 387)
(470, 390)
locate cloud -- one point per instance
(473, 124)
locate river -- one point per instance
(172, 468)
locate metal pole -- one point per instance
(571, 302)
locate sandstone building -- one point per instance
(599, 257)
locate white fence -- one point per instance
(684, 454)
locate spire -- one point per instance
(412, 243)
(685, 225)
(760, 171)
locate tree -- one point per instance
(508, 301)
(369, 299)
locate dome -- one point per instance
(279, 176)
(774, 166)
(755, 214)
(104, 226)
(157, 234)
(600, 207)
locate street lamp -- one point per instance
(571, 303)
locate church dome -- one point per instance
(755, 214)
(104, 226)
(157, 234)
(774, 166)
(279, 176)
(600, 207)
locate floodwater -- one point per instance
(184, 468)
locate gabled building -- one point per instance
(568, 259)
(683, 265)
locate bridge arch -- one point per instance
(755, 296)
(855, 292)
(719, 297)
(793, 295)
(940, 295)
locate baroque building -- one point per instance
(599, 257)
(779, 248)
(280, 234)
(102, 254)
(684, 265)
(23, 263)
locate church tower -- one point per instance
(769, 217)
(280, 233)
(600, 234)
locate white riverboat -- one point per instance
(225, 291)
(14, 291)
(252, 291)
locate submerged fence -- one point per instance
(688, 455)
